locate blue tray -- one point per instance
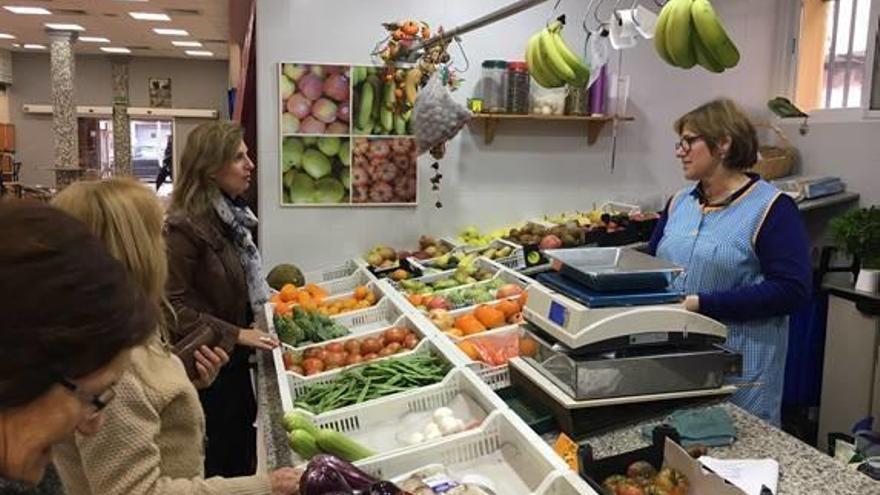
(595, 299)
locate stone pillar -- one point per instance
(121, 125)
(64, 125)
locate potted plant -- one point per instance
(858, 232)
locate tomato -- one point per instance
(381, 339)
(313, 366)
(628, 488)
(394, 335)
(315, 353)
(393, 347)
(353, 346)
(610, 484)
(334, 347)
(641, 469)
(385, 352)
(672, 481)
(370, 345)
(353, 359)
(411, 341)
(296, 369)
(335, 359)
(369, 357)
(290, 359)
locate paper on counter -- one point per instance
(747, 474)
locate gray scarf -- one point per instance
(240, 220)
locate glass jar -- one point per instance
(517, 87)
(494, 86)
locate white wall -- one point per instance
(194, 84)
(530, 168)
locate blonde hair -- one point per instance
(719, 119)
(209, 147)
(126, 215)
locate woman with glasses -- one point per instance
(743, 246)
(70, 318)
(153, 436)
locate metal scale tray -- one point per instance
(613, 269)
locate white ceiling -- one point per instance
(205, 20)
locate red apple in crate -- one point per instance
(437, 302)
(550, 242)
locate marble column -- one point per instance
(121, 125)
(64, 125)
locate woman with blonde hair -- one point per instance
(153, 433)
(215, 283)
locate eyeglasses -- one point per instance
(685, 143)
(96, 402)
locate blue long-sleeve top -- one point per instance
(782, 248)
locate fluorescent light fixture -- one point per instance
(115, 49)
(6, 36)
(64, 27)
(16, 45)
(34, 46)
(93, 39)
(149, 16)
(170, 32)
(27, 10)
(187, 43)
(200, 53)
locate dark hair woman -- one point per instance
(70, 317)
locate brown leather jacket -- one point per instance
(206, 281)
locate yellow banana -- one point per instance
(581, 71)
(704, 58)
(537, 68)
(712, 33)
(552, 58)
(678, 34)
(660, 34)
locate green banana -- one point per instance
(358, 74)
(537, 69)
(708, 26)
(399, 124)
(366, 109)
(554, 60)
(581, 71)
(660, 34)
(374, 81)
(679, 28)
(704, 57)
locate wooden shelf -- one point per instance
(595, 123)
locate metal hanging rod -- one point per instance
(490, 18)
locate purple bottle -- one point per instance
(599, 93)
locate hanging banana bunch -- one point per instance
(551, 62)
(689, 32)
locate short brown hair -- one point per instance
(719, 119)
(68, 307)
(209, 148)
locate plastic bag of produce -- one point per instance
(437, 117)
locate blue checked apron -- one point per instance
(717, 250)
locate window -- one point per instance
(836, 41)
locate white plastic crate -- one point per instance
(403, 321)
(290, 386)
(466, 250)
(361, 276)
(455, 313)
(565, 483)
(480, 263)
(331, 272)
(503, 450)
(373, 424)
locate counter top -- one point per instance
(803, 470)
(269, 412)
(866, 302)
(826, 201)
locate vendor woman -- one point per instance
(743, 246)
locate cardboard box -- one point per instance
(701, 482)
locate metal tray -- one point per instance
(613, 269)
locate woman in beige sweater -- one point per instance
(153, 437)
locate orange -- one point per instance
(527, 347)
(288, 293)
(361, 292)
(470, 350)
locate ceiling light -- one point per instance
(115, 49)
(34, 46)
(16, 45)
(27, 10)
(199, 53)
(5, 36)
(187, 43)
(93, 39)
(171, 32)
(149, 16)
(64, 27)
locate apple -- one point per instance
(550, 242)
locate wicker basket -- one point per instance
(775, 161)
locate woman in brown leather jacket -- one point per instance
(215, 284)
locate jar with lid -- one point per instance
(518, 87)
(494, 86)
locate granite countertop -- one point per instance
(803, 470)
(269, 412)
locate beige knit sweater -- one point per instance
(152, 439)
